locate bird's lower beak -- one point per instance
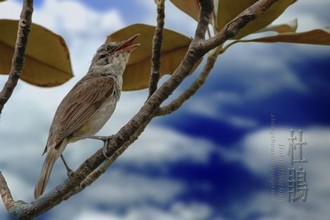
(127, 45)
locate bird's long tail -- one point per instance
(51, 157)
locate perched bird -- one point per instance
(88, 105)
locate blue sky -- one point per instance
(209, 160)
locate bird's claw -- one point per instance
(106, 140)
(104, 148)
(70, 173)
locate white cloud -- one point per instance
(124, 189)
(256, 152)
(72, 17)
(177, 211)
(161, 146)
(92, 214)
(156, 147)
(10, 10)
(256, 156)
(191, 211)
(216, 104)
(316, 207)
(137, 196)
(173, 15)
(264, 75)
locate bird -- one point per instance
(88, 105)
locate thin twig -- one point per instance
(18, 58)
(156, 47)
(194, 87)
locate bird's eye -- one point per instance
(109, 48)
(103, 56)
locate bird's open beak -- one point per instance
(127, 45)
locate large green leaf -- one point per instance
(47, 60)
(137, 73)
(316, 36)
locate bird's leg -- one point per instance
(105, 140)
(69, 171)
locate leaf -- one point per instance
(137, 73)
(190, 7)
(47, 59)
(290, 26)
(229, 9)
(316, 36)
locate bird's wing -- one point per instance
(78, 105)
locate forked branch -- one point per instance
(194, 87)
(129, 132)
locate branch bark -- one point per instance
(194, 87)
(233, 27)
(23, 31)
(89, 170)
(156, 47)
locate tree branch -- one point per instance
(156, 47)
(194, 87)
(204, 18)
(233, 27)
(5, 193)
(123, 138)
(101, 169)
(129, 132)
(18, 57)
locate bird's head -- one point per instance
(114, 53)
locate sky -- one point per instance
(211, 160)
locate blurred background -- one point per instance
(218, 157)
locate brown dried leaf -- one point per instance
(229, 9)
(290, 26)
(137, 73)
(316, 36)
(190, 7)
(47, 60)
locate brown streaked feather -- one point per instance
(47, 167)
(78, 105)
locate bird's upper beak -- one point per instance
(127, 45)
